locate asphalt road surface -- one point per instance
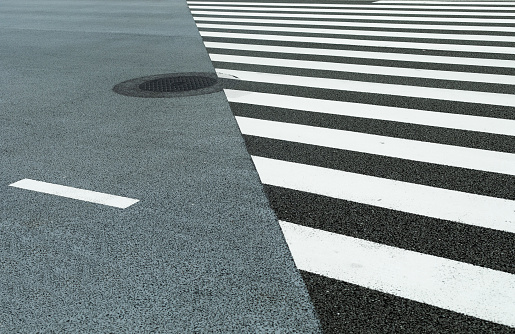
(383, 133)
(123, 214)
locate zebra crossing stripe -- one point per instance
(364, 54)
(376, 88)
(460, 287)
(505, 6)
(452, 20)
(370, 43)
(369, 25)
(448, 155)
(483, 3)
(367, 69)
(456, 206)
(462, 12)
(404, 115)
(397, 34)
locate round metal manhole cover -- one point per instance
(170, 85)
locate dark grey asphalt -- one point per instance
(201, 252)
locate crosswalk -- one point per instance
(384, 135)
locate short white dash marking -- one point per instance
(75, 193)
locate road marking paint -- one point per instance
(404, 115)
(367, 69)
(489, 3)
(440, 27)
(397, 34)
(456, 206)
(332, 5)
(452, 285)
(365, 54)
(359, 42)
(360, 17)
(448, 155)
(75, 193)
(376, 88)
(463, 11)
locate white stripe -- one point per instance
(455, 156)
(461, 37)
(412, 116)
(332, 5)
(483, 3)
(360, 17)
(456, 206)
(75, 193)
(377, 88)
(369, 43)
(356, 11)
(365, 54)
(361, 24)
(368, 69)
(452, 285)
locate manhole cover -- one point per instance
(170, 85)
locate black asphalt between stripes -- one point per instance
(373, 312)
(452, 107)
(479, 140)
(465, 243)
(482, 55)
(368, 61)
(439, 176)
(364, 77)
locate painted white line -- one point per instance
(365, 54)
(483, 3)
(368, 69)
(440, 27)
(456, 206)
(462, 12)
(376, 88)
(332, 5)
(460, 37)
(452, 285)
(452, 20)
(75, 193)
(403, 115)
(448, 155)
(359, 42)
